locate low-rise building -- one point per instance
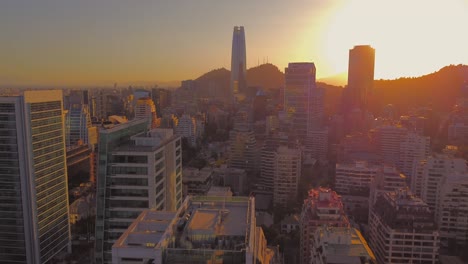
(205, 229)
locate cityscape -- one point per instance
(247, 163)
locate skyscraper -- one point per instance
(238, 61)
(360, 75)
(303, 101)
(33, 178)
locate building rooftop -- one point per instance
(194, 174)
(343, 245)
(146, 230)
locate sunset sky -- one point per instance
(86, 42)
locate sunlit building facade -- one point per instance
(143, 172)
(322, 208)
(34, 218)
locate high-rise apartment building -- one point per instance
(303, 100)
(452, 210)
(187, 128)
(243, 149)
(322, 207)
(387, 179)
(137, 170)
(402, 229)
(287, 172)
(145, 108)
(267, 161)
(413, 147)
(317, 144)
(34, 224)
(354, 178)
(238, 61)
(436, 170)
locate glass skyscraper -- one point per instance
(34, 224)
(238, 61)
(303, 100)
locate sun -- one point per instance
(410, 37)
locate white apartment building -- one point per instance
(437, 168)
(402, 229)
(144, 171)
(412, 147)
(354, 178)
(453, 209)
(187, 128)
(387, 179)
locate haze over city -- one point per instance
(55, 42)
(233, 132)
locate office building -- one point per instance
(267, 161)
(402, 229)
(197, 182)
(238, 62)
(243, 149)
(317, 144)
(303, 100)
(287, 172)
(323, 207)
(78, 119)
(138, 169)
(340, 245)
(33, 178)
(360, 75)
(205, 229)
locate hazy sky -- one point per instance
(105, 41)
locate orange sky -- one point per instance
(101, 42)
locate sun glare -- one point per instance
(410, 37)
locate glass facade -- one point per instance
(107, 219)
(50, 177)
(34, 221)
(12, 236)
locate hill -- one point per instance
(267, 76)
(438, 90)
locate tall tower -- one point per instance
(238, 61)
(360, 75)
(33, 178)
(303, 101)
